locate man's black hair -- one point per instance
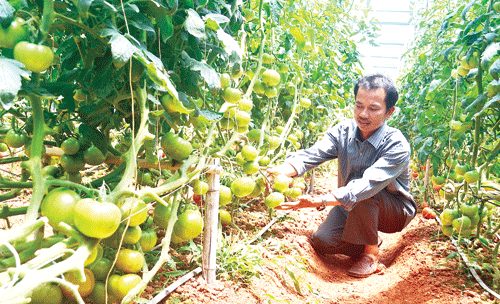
(376, 81)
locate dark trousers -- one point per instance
(347, 232)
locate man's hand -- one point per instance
(285, 169)
(304, 201)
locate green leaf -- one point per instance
(10, 80)
(6, 13)
(156, 72)
(297, 34)
(217, 18)
(467, 9)
(98, 139)
(211, 115)
(488, 54)
(478, 100)
(231, 46)
(83, 7)
(208, 73)
(121, 49)
(194, 24)
(492, 102)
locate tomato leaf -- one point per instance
(208, 73)
(164, 22)
(10, 80)
(83, 7)
(156, 72)
(122, 49)
(231, 46)
(478, 100)
(194, 24)
(488, 54)
(6, 13)
(98, 139)
(217, 18)
(297, 34)
(492, 102)
(211, 115)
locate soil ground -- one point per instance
(416, 270)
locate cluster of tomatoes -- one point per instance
(36, 58)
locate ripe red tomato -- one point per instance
(428, 213)
(36, 58)
(95, 219)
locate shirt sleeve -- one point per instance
(323, 150)
(384, 171)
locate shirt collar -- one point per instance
(376, 139)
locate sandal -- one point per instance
(364, 267)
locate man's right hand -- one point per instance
(303, 201)
(285, 169)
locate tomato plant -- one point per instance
(153, 91)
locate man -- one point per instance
(373, 180)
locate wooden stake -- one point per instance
(211, 222)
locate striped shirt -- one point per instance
(365, 166)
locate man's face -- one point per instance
(370, 110)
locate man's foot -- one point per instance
(365, 266)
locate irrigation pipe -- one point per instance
(472, 270)
(165, 292)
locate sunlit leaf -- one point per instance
(208, 73)
(194, 24)
(6, 13)
(10, 80)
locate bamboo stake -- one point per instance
(211, 223)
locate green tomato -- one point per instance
(461, 224)
(72, 163)
(95, 219)
(101, 268)
(47, 293)
(148, 240)
(15, 33)
(16, 139)
(135, 209)
(93, 156)
(448, 215)
(175, 146)
(58, 206)
(161, 215)
(129, 261)
(36, 58)
(3, 147)
(189, 224)
(98, 294)
(469, 210)
(126, 283)
(70, 146)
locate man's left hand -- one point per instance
(304, 201)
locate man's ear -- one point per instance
(389, 113)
